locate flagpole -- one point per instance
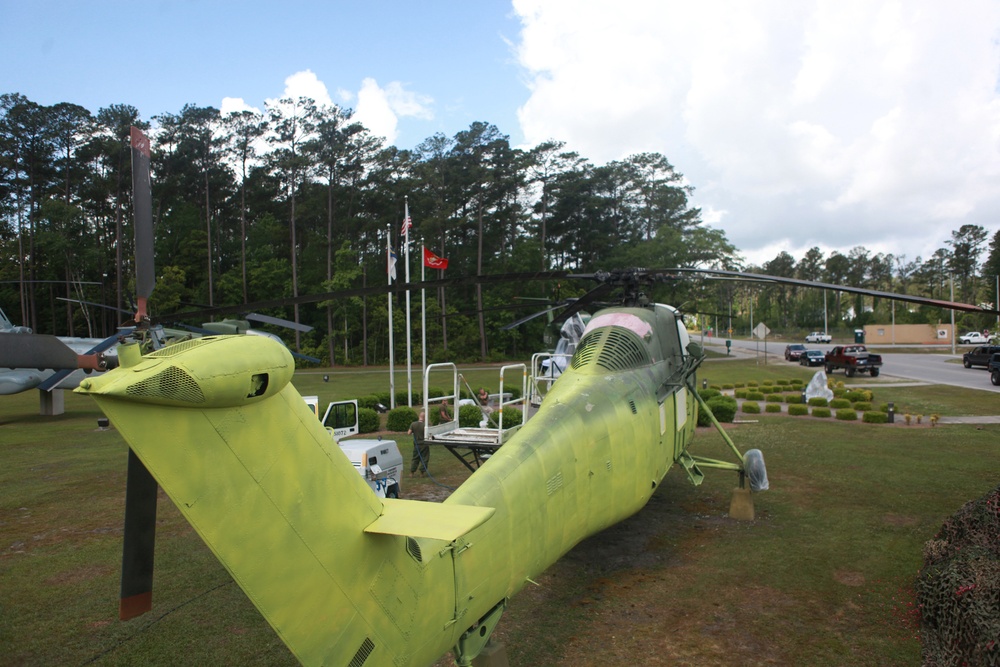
(409, 366)
(390, 268)
(423, 314)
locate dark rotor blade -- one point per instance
(95, 304)
(277, 321)
(140, 535)
(580, 304)
(145, 269)
(106, 363)
(517, 323)
(305, 357)
(363, 291)
(39, 351)
(909, 298)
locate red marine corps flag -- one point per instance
(432, 261)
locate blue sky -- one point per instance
(799, 124)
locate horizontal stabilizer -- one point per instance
(416, 518)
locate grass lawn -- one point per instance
(823, 576)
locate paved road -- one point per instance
(933, 367)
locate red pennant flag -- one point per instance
(432, 261)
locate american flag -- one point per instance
(407, 225)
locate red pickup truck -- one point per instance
(853, 359)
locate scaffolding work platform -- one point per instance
(473, 445)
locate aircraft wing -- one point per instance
(416, 518)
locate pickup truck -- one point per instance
(853, 359)
(819, 337)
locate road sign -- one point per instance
(761, 330)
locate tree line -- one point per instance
(302, 199)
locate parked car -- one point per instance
(973, 338)
(812, 358)
(819, 337)
(979, 356)
(794, 351)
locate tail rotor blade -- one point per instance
(140, 534)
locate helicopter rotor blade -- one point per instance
(145, 269)
(136, 596)
(277, 321)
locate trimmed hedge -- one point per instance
(839, 403)
(708, 394)
(773, 407)
(775, 398)
(755, 396)
(740, 393)
(793, 398)
(797, 410)
(751, 407)
(723, 407)
(821, 412)
(861, 406)
(847, 414)
(819, 402)
(469, 416)
(368, 420)
(399, 419)
(875, 417)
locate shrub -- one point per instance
(847, 414)
(752, 383)
(782, 383)
(839, 392)
(755, 396)
(383, 397)
(775, 398)
(708, 394)
(819, 402)
(715, 387)
(768, 383)
(839, 403)
(751, 407)
(740, 393)
(793, 398)
(401, 398)
(399, 419)
(798, 410)
(861, 406)
(469, 416)
(821, 412)
(370, 401)
(773, 407)
(727, 386)
(856, 395)
(723, 407)
(875, 417)
(739, 385)
(511, 417)
(368, 420)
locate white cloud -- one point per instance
(799, 124)
(379, 109)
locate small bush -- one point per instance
(511, 417)
(723, 407)
(739, 385)
(755, 396)
(819, 402)
(368, 420)
(740, 393)
(856, 395)
(847, 414)
(861, 406)
(839, 392)
(727, 386)
(770, 389)
(752, 383)
(782, 383)
(751, 407)
(708, 394)
(839, 403)
(402, 400)
(875, 417)
(469, 416)
(369, 401)
(399, 419)
(773, 407)
(821, 412)
(798, 410)
(775, 398)
(793, 398)
(768, 383)
(715, 387)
